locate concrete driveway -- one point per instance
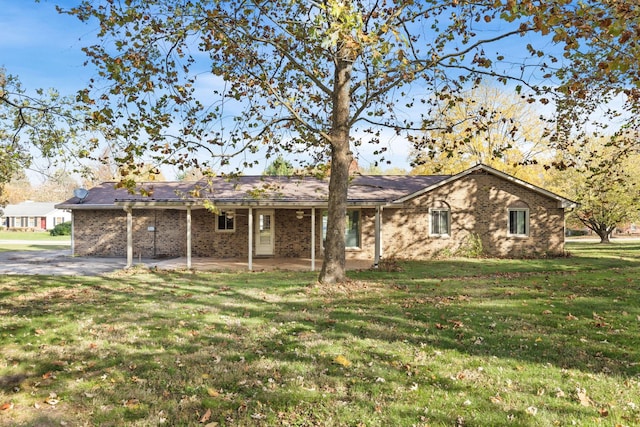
(56, 262)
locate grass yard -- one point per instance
(32, 241)
(442, 343)
(35, 235)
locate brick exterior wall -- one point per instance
(293, 235)
(479, 205)
(100, 232)
(104, 233)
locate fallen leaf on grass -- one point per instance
(138, 380)
(132, 403)
(457, 324)
(343, 361)
(6, 406)
(212, 392)
(52, 399)
(582, 397)
(206, 416)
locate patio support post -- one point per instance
(313, 239)
(188, 237)
(73, 234)
(378, 232)
(250, 239)
(129, 212)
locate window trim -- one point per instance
(359, 230)
(225, 230)
(432, 211)
(526, 222)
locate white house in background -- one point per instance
(35, 216)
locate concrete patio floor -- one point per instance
(241, 264)
(60, 262)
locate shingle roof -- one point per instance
(283, 191)
(257, 190)
(38, 209)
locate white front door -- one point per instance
(264, 232)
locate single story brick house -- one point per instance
(407, 217)
(32, 216)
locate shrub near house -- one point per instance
(63, 229)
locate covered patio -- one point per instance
(240, 264)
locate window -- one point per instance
(352, 229)
(518, 222)
(439, 222)
(225, 221)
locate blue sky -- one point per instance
(43, 47)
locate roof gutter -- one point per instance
(73, 206)
(235, 204)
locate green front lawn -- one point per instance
(16, 241)
(443, 343)
(32, 235)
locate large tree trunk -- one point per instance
(604, 233)
(333, 266)
(603, 230)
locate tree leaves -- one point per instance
(604, 180)
(323, 78)
(37, 124)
